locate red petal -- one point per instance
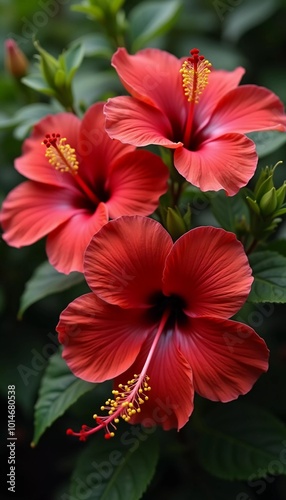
(246, 109)
(170, 402)
(227, 162)
(96, 151)
(100, 340)
(209, 270)
(135, 183)
(33, 164)
(137, 123)
(32, 210)
(124, 262)
(153, 76)
(227, 357)
(220, 83)
(67, 244)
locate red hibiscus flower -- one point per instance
(79, 178)
(201, 114)
(157, 321)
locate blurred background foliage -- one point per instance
(229, 33)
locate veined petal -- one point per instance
(245, 109)
(227, 357)
(124, 262)
(32, 210)
(66, 244)
(207, 267)
(96, 151)
(33, 163)
(135, 183)
(153, 76)
(170, 401)
(220, 83)
(227, 162)
(100, 340)
(135, 122)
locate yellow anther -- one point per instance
(62, 156)
(195, 72)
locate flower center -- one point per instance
(63, 157)
(195, 72)
(127, 399)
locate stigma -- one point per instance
(60, 154)
(195, 72)
(125, 403)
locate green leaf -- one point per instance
(92, 11)
(228, 210)
(58, 391)
(269, 271)
(268, 141)
(241, 441)
(245, 16)
(46, 281)
(72, 60)
(110, 470)
(151, 19)
(95, 44)
(36, 82)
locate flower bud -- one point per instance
(268, 202)
(15, 60)
(175, 223)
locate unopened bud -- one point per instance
(15, 60)
(268, 202)
(175, 223)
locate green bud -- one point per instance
(253, 205)
(48, 65)
(265, 174)
(175, 223)
(60, 79)
(268, 202)
(264, 187)
(280, 193)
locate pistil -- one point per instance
(127, 399)
(195, 71)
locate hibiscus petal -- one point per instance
(246, 109)
(208, 269)
(227, 357)
(170, 401)
(124, 262)
(220, 83)
(100, 340)
(66, 244)
(135, 183)
(227, 162)
(137, 123)
(95, 150)
(32, 210)
(33, 163)
(153, 76)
